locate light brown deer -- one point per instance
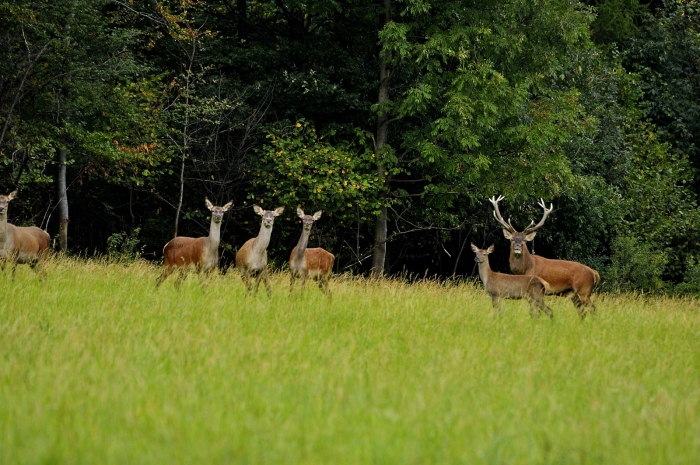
(202, 253)
(507, 286)
(251, 259)
(19, 244)
(569, 279)
(315, 263)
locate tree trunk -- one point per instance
(182, 190)
(62, 191)
(62, 201)
(380, 225)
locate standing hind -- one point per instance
(202, 253)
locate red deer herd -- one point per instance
(533, 276)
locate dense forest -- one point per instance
(397, 118)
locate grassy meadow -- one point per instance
(99, 367)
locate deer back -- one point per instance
(184, 251)
(560, 275)
(26, 243)
(319, 262)
(514, 286)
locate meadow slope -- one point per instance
(97, 366)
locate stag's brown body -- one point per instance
(569, 279)
(21, 244)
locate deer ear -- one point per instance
(475, 248)
(508, 234)
(317, 215)
(227, 206)
(490, 249)
(12, 195)
(258, 210)
(278, 211)
(530, 236)
(208, 203)
(300, 213)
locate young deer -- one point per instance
(507, 286)
(200, 252)
(315, 263)
(21, 244)
(252, 257)
(569, 279)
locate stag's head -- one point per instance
(217, 213)
(518, 239)
(482, 255)
(308, 220)
(5, 202)
(268, 215)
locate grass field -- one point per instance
(99, 367)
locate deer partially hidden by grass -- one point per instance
(569, 279)
(202, 253)
(315, 263)
(251, 259)
(507, 286)
(20, 244)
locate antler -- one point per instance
(497, 214)
(547, 211)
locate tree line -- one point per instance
(397, 118)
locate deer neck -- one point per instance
(263, 240)
(520, 264)
(300, 251)
(485, 272)
(3, 229)
(214, 234)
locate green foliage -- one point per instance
(123, 247)
(691, 279)
(297, 167)
(636, 266)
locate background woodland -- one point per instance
(398, 119)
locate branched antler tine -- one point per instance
(497, 214)
(547, 211)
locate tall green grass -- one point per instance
(99, 367)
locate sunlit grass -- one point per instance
(97, 366)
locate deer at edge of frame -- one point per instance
(566, 278)
(21, 244)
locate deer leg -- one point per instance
(14, 268)
(303, 281)
(245, 275)
(580, 308)
(497, 308)
(258, 276)
(291, 281)
(39, 266)
(181, 276)
(534, 307)
(268, 287)
(323, 284)
(164, 275)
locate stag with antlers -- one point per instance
(569, 279)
